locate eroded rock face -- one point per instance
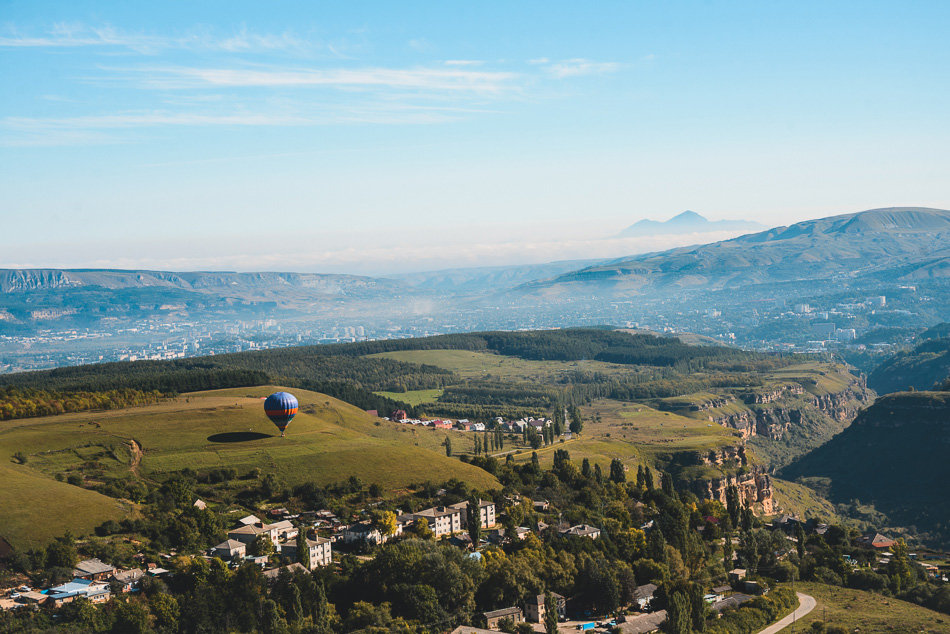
(772, 414)
(752, 482)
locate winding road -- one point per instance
(805, 605)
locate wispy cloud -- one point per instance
(91, 129)
(78, 35)
(579, 66)
(430, 79)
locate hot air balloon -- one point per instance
(281, 407)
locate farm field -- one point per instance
(859, 611)
(327, 442)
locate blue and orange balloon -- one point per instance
(281, 407)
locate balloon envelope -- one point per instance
(281, 407)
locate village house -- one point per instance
(875, 540)
(94, 591)
(249, 520)
(399, 415)
(320, 552)
(493, 618)
(229, 549)
(642, 624)
(582, 530)
(535, 610)
(93, 570)
(486, 513)
(644, 594)
(442, 424)
(272, 574)
(277, 531)
(736, 575)
(128, 580)
(442, 520)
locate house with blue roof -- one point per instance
(95, 591)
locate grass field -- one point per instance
(327, 442)
(638, 434)
(413, 397)
(477, 365)
(864, 612)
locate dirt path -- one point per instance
(805, 605)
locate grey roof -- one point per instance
(646, 590)
(731, 602)
(273, 573)
(129, 575)
(502, 612)
(643, 623)
(93, 567)
(229, 544)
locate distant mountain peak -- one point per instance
(688, 215)
(686, 222)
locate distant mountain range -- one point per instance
(216, 282)
(489, 278)
(898, 243)
(686, 222)
(895, 244)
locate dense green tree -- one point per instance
(550, 614)
(617, 473)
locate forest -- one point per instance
(23, 402)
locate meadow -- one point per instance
(866, 612)
(328, 441)
(470, 364)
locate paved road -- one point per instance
(805, 605)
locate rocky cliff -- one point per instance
(751, 481)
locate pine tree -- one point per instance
(474, 521)
(448, 446)
(616, 471)
(303, 549)
(550, 614)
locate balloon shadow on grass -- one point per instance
(238, 436)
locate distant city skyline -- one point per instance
(379, 138)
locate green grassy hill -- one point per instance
(867, 612)
(328, 441)
(894, 456)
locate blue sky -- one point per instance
(372, 137)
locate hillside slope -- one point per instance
(905, 243)
(327, 442)
(894, 455)
(926, 365)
